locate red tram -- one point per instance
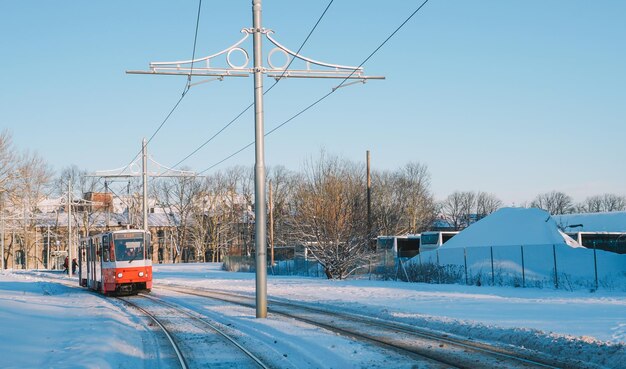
(115, 262)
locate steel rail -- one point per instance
(476, 346)
(253, 357)
(179, 354)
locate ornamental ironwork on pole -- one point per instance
(133, 170)
(220, 65)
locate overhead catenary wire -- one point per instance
(183, 94)
(278, 79)
(329, 93)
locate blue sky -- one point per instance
(508, 97)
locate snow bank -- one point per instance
(512, 226)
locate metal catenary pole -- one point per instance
(271, 205)
(144, 155)
(259, 166)
(69, 227)
(312, 70)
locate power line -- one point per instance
(268, 90)
(326, 95)
(185, 89)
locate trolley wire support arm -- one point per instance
(222, 64)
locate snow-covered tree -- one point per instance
(331, 215)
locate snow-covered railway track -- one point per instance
(451, 351)
(179, 355)
(197, 342)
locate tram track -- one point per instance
(453, 351)
(192, 335)
(441, 349)
(179, 355)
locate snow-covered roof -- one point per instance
(614, 221)
(100, 219)
(512, 226)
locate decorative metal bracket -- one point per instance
(134, 170)
(208, 66)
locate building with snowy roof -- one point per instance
(604, 231)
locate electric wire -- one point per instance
(329, 93)
(278, 79)
(183, 94)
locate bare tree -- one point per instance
(402, 201)
(453, 209)
(601, 203)
(486, 204)
(7, 165)
(28, 186)
(387, 204)
(461, 209)
(180, 196)
(415, 183)
(284, 183)
(81, 184)
(7, 160)
(331, 216)
(200, 224)
(554, 203)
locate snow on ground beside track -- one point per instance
(45, 324)
(48, 325)
(589, 326)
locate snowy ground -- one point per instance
(46, 325)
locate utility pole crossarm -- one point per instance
(208, 66)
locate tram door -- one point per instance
(90, 264)
(82, 278)
(98, 263)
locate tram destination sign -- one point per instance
(119, 236)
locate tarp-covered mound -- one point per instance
(512, 227)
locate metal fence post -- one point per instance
(404, 269)
(438, 268)
(523, 270)
(595, 263)
(493, 276)
(556, 274)
(465, 262)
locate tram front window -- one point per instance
(129, 249)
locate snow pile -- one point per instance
(512, 227)
(522, 248)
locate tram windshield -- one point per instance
(129, 249)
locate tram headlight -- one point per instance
(119, 275)
(141, 274)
